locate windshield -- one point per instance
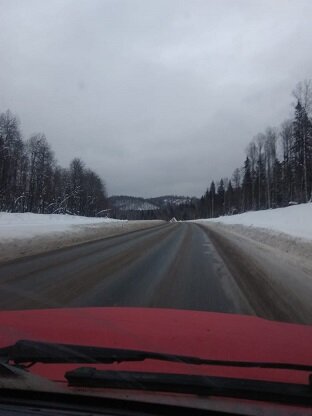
(155, 191)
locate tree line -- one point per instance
(32, 181)
(277, 170)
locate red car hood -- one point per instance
(201, 334)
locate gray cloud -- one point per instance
(157, 96)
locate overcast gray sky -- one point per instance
(158, 97)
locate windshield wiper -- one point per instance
(25, 351)
(190, 384)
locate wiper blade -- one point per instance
(25, 351)
(190, 384)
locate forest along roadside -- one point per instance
(14, 245)
(265, 273)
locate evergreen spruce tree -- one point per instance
(247, 186)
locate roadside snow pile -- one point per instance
(295, 220)
(288, 230)
(29, 225)
(27, 234)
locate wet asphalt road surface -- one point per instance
(181, 266)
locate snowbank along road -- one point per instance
(27, 234)
(182, 265)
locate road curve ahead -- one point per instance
(170, 266)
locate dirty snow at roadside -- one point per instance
(295, 220)
(27, 234)
(29, 225)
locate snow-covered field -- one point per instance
(294, 220)
(26, 234)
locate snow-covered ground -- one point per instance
(294, 220)
(30, 225)
(27, 234)
(286, 230)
